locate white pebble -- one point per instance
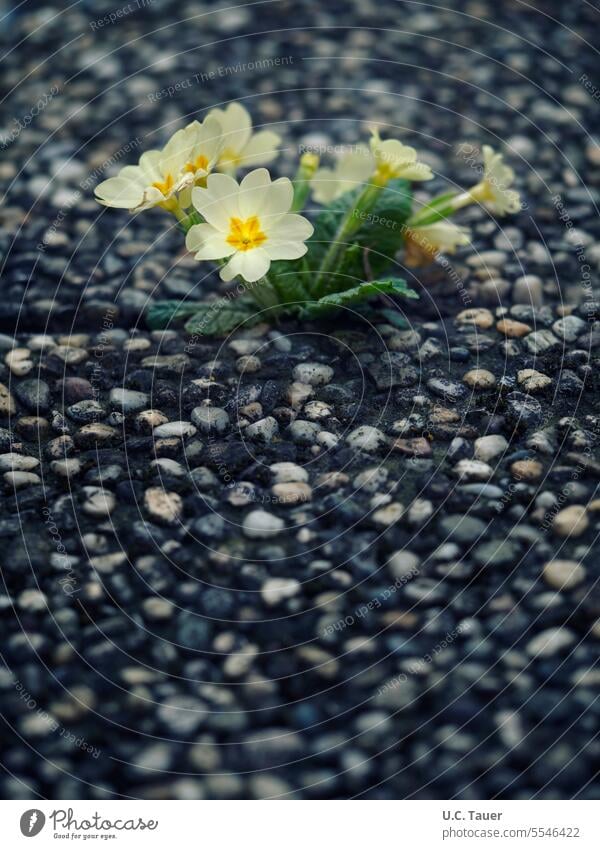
(261, 525)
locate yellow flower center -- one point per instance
(200, 162)
(165, 185)
(490, 191)
(383, 173)
(483, 191)
(245, 235)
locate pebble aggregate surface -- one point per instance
(335, 560)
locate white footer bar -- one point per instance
(302, 825)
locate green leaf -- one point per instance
(289, 278)
(381, 231)
(357, 295)
(215, 318)
(395, 317)
(163, 313)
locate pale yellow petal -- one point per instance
(250, 265)
(207, 243)
(261, 148)
(119, 193)
(291, 228)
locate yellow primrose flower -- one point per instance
(422, 244)
(493, 191)
(249, 224)
(394, 159)
(189, 155)
(192, 154)
(193, 150)
(351, 169)
(241, 147)
(141, 186)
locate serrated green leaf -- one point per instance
(215, 318)
(289, 279)
(357, 295)
(163, 313)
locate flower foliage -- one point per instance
(254, 232)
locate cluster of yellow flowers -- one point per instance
(245, 226)
(223, 142)
(248, 223)
(385, 160)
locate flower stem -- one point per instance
(467, 198)
(348, 226)
(437, 209)
(445, 205)
(264, 293)
(309, 162)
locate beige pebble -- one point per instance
(479, 378)
(247, 364)
(69, 355)
(389, 514)
(527, 470)
(549, 642)
(316, 410)
(75, 340)
(417, 447)
(532, 380)
(19, 480)
(570, 522)
(69, 467)
(292, 493)
(563, 574)
(100, 504)
(592, 152)
(298, 394)
(564, 309)
(8, 406)
(147, 420)
(89, 434)
(252, 411)
(474, 470)
(171, 364)
(39, 342)
(107, 563)
(157, 608)
(399, 619)
(478, 317)
(286, 472)
(59, 448)
(243, 347)
(513, 329)
(137, 344)
(333, 480)
(276, 590)
(19, 362)
(162, 506)
(13, 462)
(488, 447)
(443, 415)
